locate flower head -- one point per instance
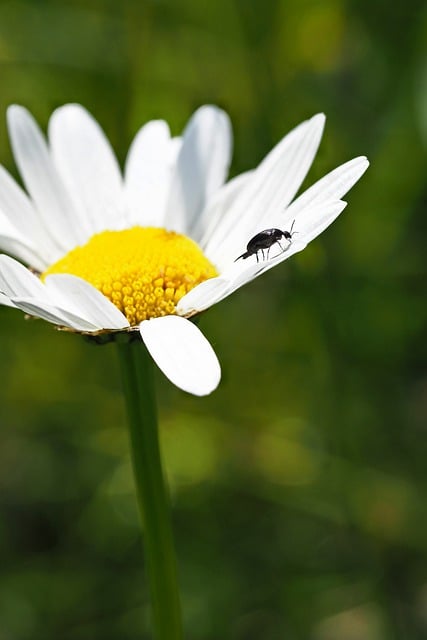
(148, 250)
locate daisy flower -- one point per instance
(101, 252)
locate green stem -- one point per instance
(153, 499)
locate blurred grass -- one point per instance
(299, 486)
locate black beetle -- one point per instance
(264, 240)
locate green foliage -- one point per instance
(298, 487)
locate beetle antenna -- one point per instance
(292, 232)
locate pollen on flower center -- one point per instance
(144, 271)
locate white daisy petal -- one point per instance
(53, 314)
(17, 280)
(273, 184)
(16, 247)
(174, 149)
(201, 168)
(331, 187)
(87, 300)
(6, 301)
(148, 173)
(88, 167)
(217, 208)
(17, 207)
(11, 241)
(42, 180)
(314, 220)
(296, 158)
(28, 293)
(203, 296)
(183, 353)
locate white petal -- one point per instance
(183, 353)
(175, 148)
(88, 167)
(272, 186)
(42, 180)
(331, 187)
(215, 210)
(296, 158)
(17, 280)
(201, 168)
(315, 219)
(203, 296)
(17, 248)
(28, 293)
(86, 300)
(148, 173)
(11, 241)
(53, 314)
(315, 222)
(6, 302)
(20, 212)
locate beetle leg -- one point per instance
(280, 247)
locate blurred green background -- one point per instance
(299, 486)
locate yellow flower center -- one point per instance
(143, 271)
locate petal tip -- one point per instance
(318, 120)
(15, 111)
(182, 353)
(361, 163)
(320, 116)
